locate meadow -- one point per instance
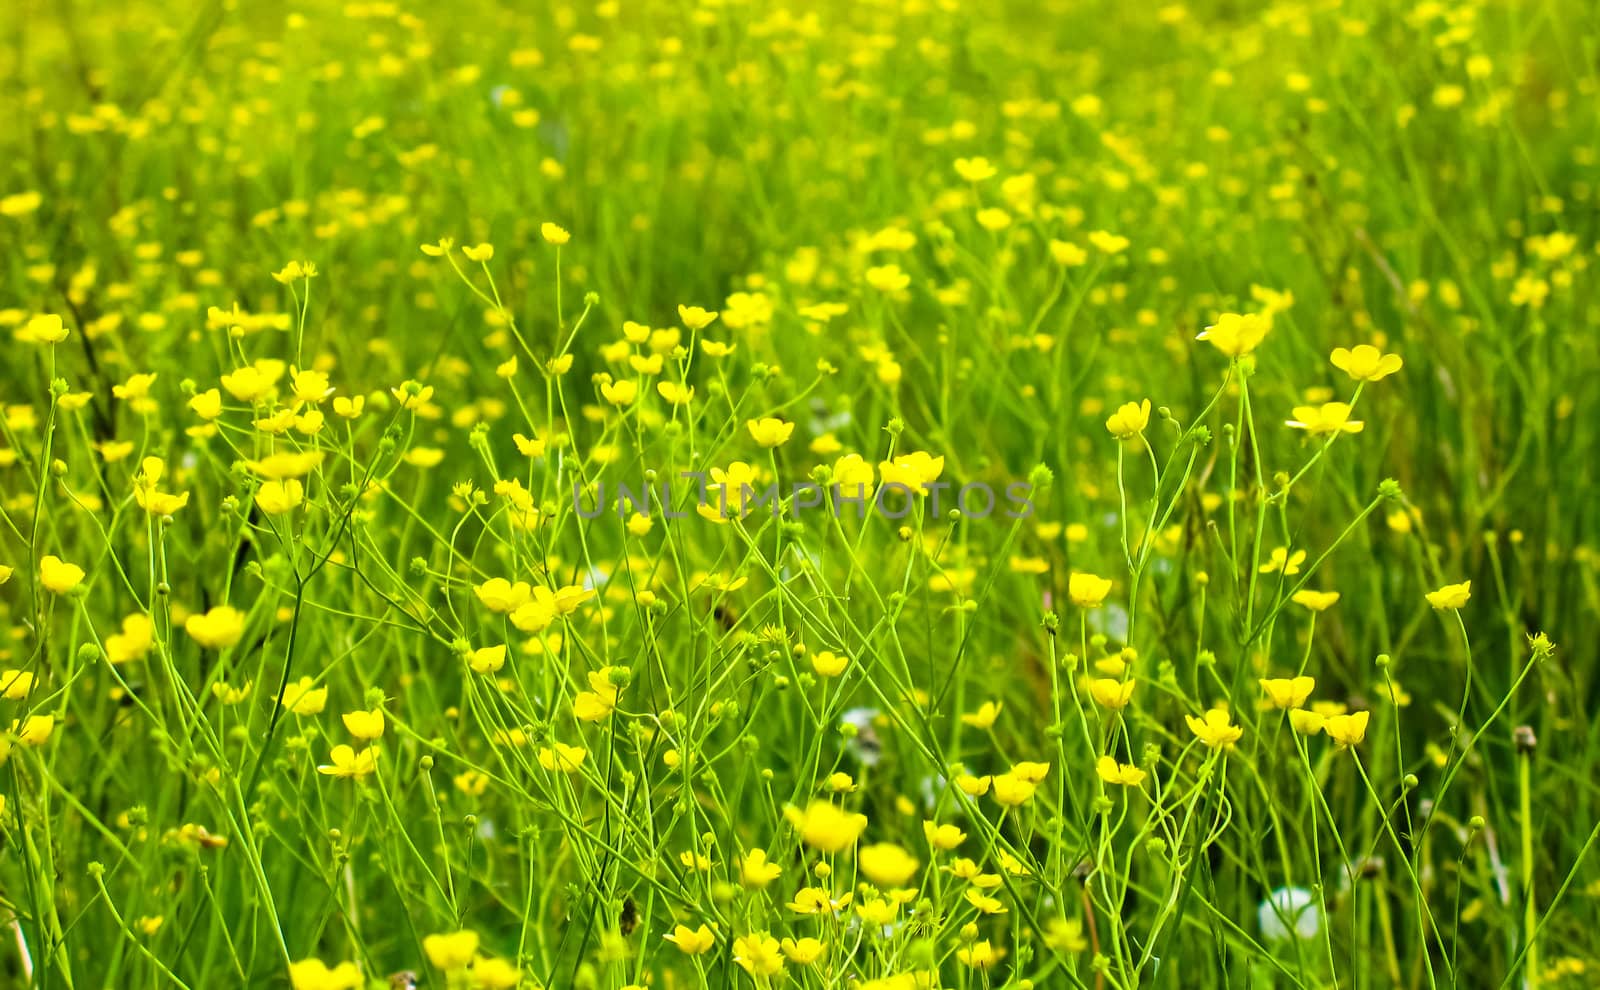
(872, 495)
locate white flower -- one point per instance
(1286, 906)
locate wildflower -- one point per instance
(979, 955)
(500, 595)
(1306, 722)
(58, 576)
(452, 950)
(599, 702)
(1112, 772)
(825, 826)
(974, 170)
(887, 865)
(620, 393)
(1111, 693)
(829, 664)
(755, 871)
(913, 471)
(816, 900)
(676, 393)
(1316, 601)
(853, 477)
(494, 973)
(1282, 560)
(887, 278)
(1214, 728)
(1347, 730)
(34, 730)
(984, 717)
(1068, 254)
(487, 659)
(1287, 692)
(691, 941)
(1107, 242)
(207, 405)
(277, 497)
(943, 837)
(1451, 596)
(695, 317)
(1011, 790)
(1065, 935)
(364, 725)
(1087, 590)
(441, 248)
(804, 951)
(1129, 420)
(561, 757)
(217, 629)
(1365, 363)
(344, 761)
(349, 407)
(1237, 334)
(758, 954)
(983, 902)
(247, 384)
(46, 328)
(15, 684)
(481, 253)
(303, 698)
(314, 974)
(1330, 417)
(770, 431)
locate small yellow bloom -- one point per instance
(1347, 730)
(1111, 693)
(1365, 363)
(1287, 692)
(755, 871)
(1451, 596)
(758, 954)
(1316, 601)
(344, 761)
(1129, 420)
(1328, 418)
(1215, 729)
(554, 234)
(695, 317)
(364, 725)
(1123, 774)
(887, 865)
(58, 576)
(825, 826)
(558, 756)
(1087, 590)
(218, 629)
(770, 431)
(691, 941)
(984, 717)
(1237, 334)
(1306, 722)
(451, 951)
(303, 698)
(483, 252)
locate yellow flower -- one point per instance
(980, 955)
(887, 865)
(1107, 242)
(349, 407)
(598, 702)
(974, 169)
(676, 393)
(45, 328)
(914, 471)
(984, 717)
(500, 595)
(691, 941)
(1330, 417)
(1365, 363)
(277, 497)
(943, 837)
(1010, 789)
(695, 317)
(488, 659)
(1282, 560)
(58, 576)
(758, 954)
(247, 384)
(1108, 692)
(1306, 722)
(441, 248)
(887, 278)
(803, 952)
(1124, 774)
(1347, 730)
(1316, 601)
(364, 725)
(35, 730)
(554, 234)
(620, 393)
(853, 477)
(453, 950)
(494, 973)
(1087, 590)
(1129, 420)
(1451, 595)
(1287, 692)
(208, 404)
(825, 826)
(829, 664)
(560, 757)
(344, 761)
(755, 871)
(1237, 334)
(15, 684)
(1215, 729)
(217, 629)
(483, 252)
(1068, 254)
(304, 699)
(314, 974)
(770, 431)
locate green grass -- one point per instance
(1420, 178)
